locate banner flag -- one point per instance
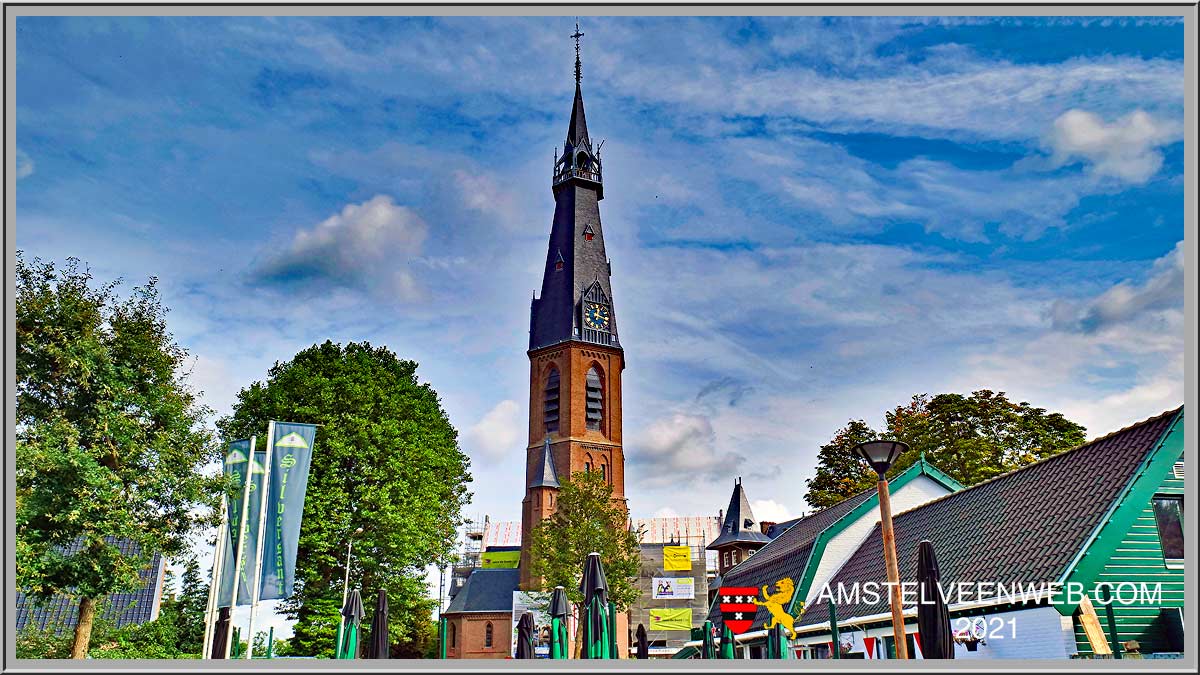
(673, 588)
(236, 463)
(671, 618)
(290, 456)
(677, 558)
(258, 473)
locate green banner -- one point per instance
(291, 455)
(500, 559)
(237, 461)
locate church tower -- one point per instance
(575, 355)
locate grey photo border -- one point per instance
(1187, 11)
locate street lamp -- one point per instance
(881, 455)
(346, 581)
(346, 585)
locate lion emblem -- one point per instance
(775, 602)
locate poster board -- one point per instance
(677, 558)
(670, 618)
(500, 559)
(673, 588)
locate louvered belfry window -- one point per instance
(595, 400)
(550, 411)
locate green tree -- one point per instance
(191, 603)
(586, 519)
(971, 438)
(386, 459)
(110, 439)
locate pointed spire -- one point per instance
(546, 475)
(577, 132)
(739, 525)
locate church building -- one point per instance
(575, 365)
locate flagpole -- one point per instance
(262, 522)
(240, 542)
(213, 591)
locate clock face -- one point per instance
(595, 316)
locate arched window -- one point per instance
(603, 472)
(487, 635)
(595, 399)
(587, 463)
(453, 636)
(550, 409)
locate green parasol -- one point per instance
(597, 616)
(559, 610)
(709, 649)
(726, 642)
(352, 614)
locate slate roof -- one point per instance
(776, 529)
(546, 476)
(1023, 526)
(554, 314)
(739, 525)
(577, 132)
(486, 590)
(787, 554)
(61, 612)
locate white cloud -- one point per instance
(666, 512)
(770, 511)
(678, 445)
(1126, 148)
(1125, 301)
(497, 435)
(367, 245)
(24, 165)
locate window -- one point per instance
(604, 472)
(558, 261)
(735, 556)
(453, 636)
(725, 558)
(487, 635)
(587, 463)
(1168, 512)
(550, 409)
(595, 399)
(588, 232)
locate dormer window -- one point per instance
(588, 232)
(558, 261)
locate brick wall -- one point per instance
(469, 633)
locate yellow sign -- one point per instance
(500, 559)
(677, 558)
(664, 618)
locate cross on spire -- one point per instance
(578, 65)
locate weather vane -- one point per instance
(578, 66)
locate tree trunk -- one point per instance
(579, 632)
(83, 628)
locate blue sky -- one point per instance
(809, 219)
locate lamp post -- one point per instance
(346, 586)
(881, 455)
